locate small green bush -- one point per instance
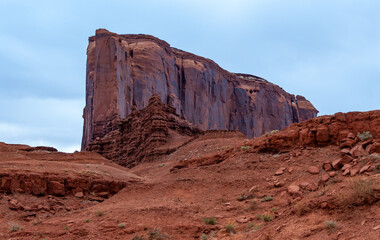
(245, 148)
(330, 225)
(267, 199)
(359, 192)
(243, 197)
(204, 237)
(230, 228)
(138, 238)
(265, 217)
(209, 221)
(251, 225)
(99, 213)
(121, 225)
(273, 132)
(15, 228)
(157, 235)
(301, 209)
(253, 205)
(364, 135)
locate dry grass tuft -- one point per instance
(359, 192)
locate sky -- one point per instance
(325, 50)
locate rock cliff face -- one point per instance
(145, 135)
(126, 70)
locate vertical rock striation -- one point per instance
(126, 70)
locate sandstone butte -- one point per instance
(124, 71)
(315, 179)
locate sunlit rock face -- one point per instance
(126, 70)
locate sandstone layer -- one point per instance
(43, 171)
(126, 70)
(145, 135)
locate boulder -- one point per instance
(313, 170)
(294, 190)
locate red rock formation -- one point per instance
(145, 135)
(125, 70)
(338, 129)
(43, 171)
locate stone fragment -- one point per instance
(346, 166)
(375, 148)
(344, 151)
(327, 166)
(351, 135)
(102, 194)
(347, 143)
(279, 184)
(332, 174)
(304, 184)
(313, 170)
(79, 194)
(325, 177)
(312, 187)
(354, 171)
(365, 167)
(347, 171)
(253, 188)
(357, 151)
(280, 171)
(337, 164)
(242, 220)
(294, 190)
(14, 204)
(324, 205)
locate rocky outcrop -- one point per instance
(344, 129)
(126, 70)
(145, 135)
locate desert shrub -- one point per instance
(253, 205)
(138, 238)
(157, 235)
(265, 217)
(243, 197)
(301, 209)
(204, 237)
(230, 228)
(377, 168)
(267, 134)
(273, 132)
(15, 228)
(209, 221)
(121, 225)
(99, 213)
(359, 192)
(364, 135)
(250, 225)
(87, 220)
(330, 225)
(245, 148)
(266, 199)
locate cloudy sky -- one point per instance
(326, 50)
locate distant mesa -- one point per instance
(124, 71)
